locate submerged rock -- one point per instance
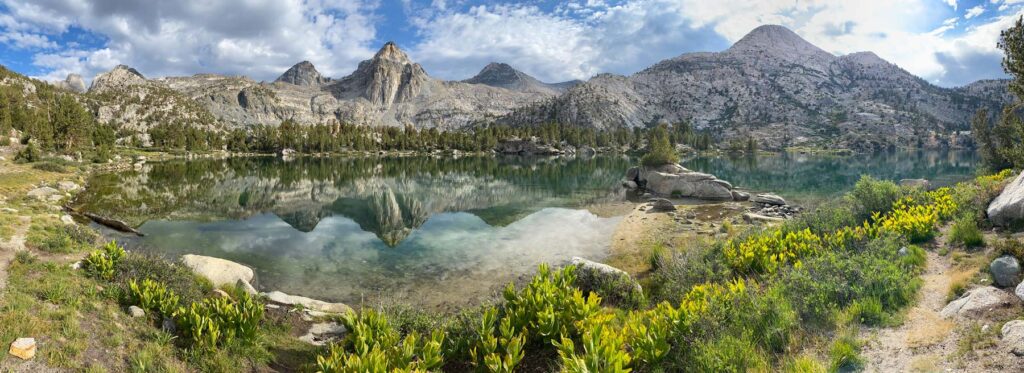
(219, 271)
(1008, 207)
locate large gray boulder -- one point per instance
(977, 302)
(1005, 270)
(220, 272)
(686, 184)
(1008, 207)
(768, 199)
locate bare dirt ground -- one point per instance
(926, 342)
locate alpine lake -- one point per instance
(434, 232)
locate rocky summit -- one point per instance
(779, 89)
(771, 86)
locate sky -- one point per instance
(947, 42)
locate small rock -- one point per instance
(629, 184)
(246, 287)
(1005, 270)
(9, 210)
(67, 219)
(321, 333)
(220, 294)
(768, 199)
(662, 204)
(135, 311)
(740, 196)
(76, 265)
(902, 251)
(67, 186)
(44, 193)
(750, 217)
(168, 325)
(691, 215)
(1013, 337)
(271, 306)
(24, 348)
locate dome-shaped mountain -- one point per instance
(501, 75)
(73, 83)
(303, 74)
(120, 77)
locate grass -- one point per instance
(965, 232)
(975, 337)
(58, 238)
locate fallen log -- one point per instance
(112, 223)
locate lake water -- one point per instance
(435, 232)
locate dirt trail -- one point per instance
(917, 344)
(11, 247)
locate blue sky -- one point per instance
(947, 42)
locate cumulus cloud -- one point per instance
(260, 38)
(454, 39)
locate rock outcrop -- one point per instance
(308, 303)
(677, 181)
(219, 271)
(117, 80)
(1012, 337)
(763, 87)
(302, 74)
(73, 83)
(977, 302)
(1008, 207)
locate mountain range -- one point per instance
(771, 85)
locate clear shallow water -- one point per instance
(436, 232)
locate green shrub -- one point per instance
(867, 311)
(102, 263)
(154, 297)
(219, 321)
(845, 353)
(693, 265)
(729, 354)
(61, 238)
(870, 195)
(803, 364)
(1009, 246)
(621, 291)
(49, 167)
(601, 352)
(30, 153)
(373, 345)
(965, 232)
(660, 150)
(176, 278)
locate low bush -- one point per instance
(764, 253)
(153, 296)
(49, 167)
(219, 321)
(176, 278)
(620, 291)
(678, 273)
(1009, 246)
(845, 353)
(870, 195)
(964, 231)
(30, 153)
(61, 238)
(103, 262)
(373, 345)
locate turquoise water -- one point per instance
(435, 232)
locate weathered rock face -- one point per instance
(976, 302)
(117, 80)
(768, 199)
(1008, 207)
(303, 73)
(218, 271)
(73, 83)
(766, 86)
(1012, 337)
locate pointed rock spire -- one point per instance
(303, 74)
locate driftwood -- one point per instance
(112, 223)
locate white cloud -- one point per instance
(22, 40)
(974, 12)
(260, 38)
